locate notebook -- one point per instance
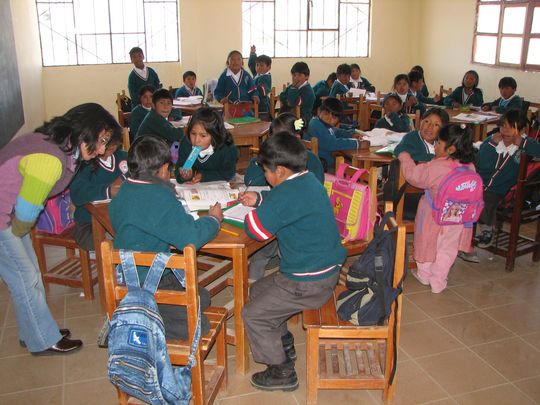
(236, 214)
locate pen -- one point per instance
(229, 232)
(247, 186)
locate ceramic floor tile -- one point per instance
(46, 396)
(88, 363)
(85, 328)
(533, 339)
(261, 398)
(94, 392)
(426, 338)
(519, 317)
(501, 395)
(411, 313)
(415, 386)
(10, 343)
(443, 304)
(76, 306)
(464, 275)
(485, 294)
(531, 387)
(31, 373)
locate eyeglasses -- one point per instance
(104, 140)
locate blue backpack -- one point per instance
(139, 363)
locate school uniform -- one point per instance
(362, 83)
(397, 122)
(418, 148)
(238, 87)
(263, 83)
(139, 78)
(221, 165)
(302, 96)
(320, 89)
(424, 90)
(420, 106)
(311, 256)
(185, 91)
(330, 139)
(91, 183)
(136, 118)
(338, 88)
(476, 98)
(502, 105)
(155, 124)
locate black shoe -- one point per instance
(484, 240)
(64, 332)
(276, 377)
(63, 346)
(287, 341)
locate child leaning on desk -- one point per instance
(147, 217)
(509, 100)
(311, 257)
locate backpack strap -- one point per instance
(384, 221)
(379, 276)
(354, 178)
(156, 271)
(196, 338)
(129, 269)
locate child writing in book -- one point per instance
(358, 81)
(260, 69)
(322, 89)
(157, 122)
(139, 112)
(217, 155)
(467, 94)
(394, 119)
(147, 217)
(141, 75)
(299, 93)
(509, 100)
(311, 257)
(341, 85)
(189, 88)
(436, 246)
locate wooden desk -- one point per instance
(479, 129)
(250, 134)
(365, 159)
(236, 248)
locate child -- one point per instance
(394, 119)
(147, 217)
(141, 75)
(141, 110)
(217, 159)
(401, 88)
(341, 85)
(94, 181)
(330, 138)
(235, 85)
(260, 69)
(509, 100)
(467, 94)
(357, 81)
(299, 92)
(415, 85)
(424, 90)
(497, 162)
(322, 89)
(420, 144)
(189, 88)
(436, 246)
(311, 257)
(156, 121)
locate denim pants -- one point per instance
(19, 270)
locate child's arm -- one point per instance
(367, 85)
(221, 88)
(85, 188)
(251, 60)
(224, 168)
(401, 122)
(416, 175)
(252, 89)
(329, 142)
(254, 175)
(175, 115)
(452, 98)
(532, 147)
(343, 133)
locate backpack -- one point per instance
(460, 199)
(350, 202)
(57, 215)
(391, 192)
(370, 292)
(139, 363)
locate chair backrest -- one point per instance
(355, 106)
(533, 111)
(230, 110)
(273, 101)
(126, 142)
(373, 118)
(312, 145)
(444, 92)
(415, 119)
(172, 91)
(121, 101)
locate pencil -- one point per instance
(229, 232)
(516, 130)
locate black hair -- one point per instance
(401, 76)
(415, 76)
(332, 76)
(514, 118)
(459, 136)
(355, 66)
(508, 82)
(83, 123)
(146, 88)
(282, 149)
(418, 68)
(264, 59)
(284, 122)
(333, 106)
(212, 122)
(161, 94)
(300, 67)
(475, 74)
(343, 69)
(189, 73)
(231, 53)
(440, 112)
(147, 154)
(394, 96)
(135, 50)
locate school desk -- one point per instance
(479, 128)
(237, 248)
(365, 159)
(250, 134)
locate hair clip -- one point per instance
(298, 124)
(463, 126)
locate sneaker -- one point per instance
(288, 345)
(276, 377)
(484, 239)
(468, 257)
(419, 278)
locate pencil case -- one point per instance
(188, 164)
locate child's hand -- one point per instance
(496, 137)
(253, 49)
(455, 104)
(196, 178)
(224, 100)
(486, 107)
(216, 211)
(115, 186)
(249, 199)
(411, 101)
(185, 174)
(256, 99)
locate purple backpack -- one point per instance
(56, 217)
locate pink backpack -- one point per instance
(459, 199)
(350, 202)
(57, 216)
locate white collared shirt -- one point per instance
(235, 76)
(143, 73)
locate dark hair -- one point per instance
(82, 123)
(231, 53)
(394, 96)
(284, 122)
(189, 73)
(343, 69)
(147, 154)
(300, 67)
(146, 88)
(161, 94)
(475, 74)
(418, 68)
(514, 117)
(401, 76)
(355, 66)
(332, 76)
(212, 121)
(332, 105)
(135, 50)
(282, 149)
(264, 59)
(440, 112)
(415, 76)
(508, 82)
(459, 136)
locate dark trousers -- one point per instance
(491, 202)
(82, 234)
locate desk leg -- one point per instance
(477, 135)
(240, 280)
(98, 234)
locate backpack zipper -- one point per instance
(120, 380)
(129, 365)
(141, 309)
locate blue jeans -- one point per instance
(19, 270)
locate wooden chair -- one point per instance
(206, 378)
(415, 119)
(444, 92)
(312, 145)
(230, 109)
(123, 115)
(74, 271)
(126, 142)
(373, 118)
(273, 101)
(355, 107)
(341, 355)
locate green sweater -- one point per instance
(221, 165)
(155, 124)
(501, 105)
(398, 122)
(302, 96)
(263, 83)
(135, 82)
(416, 146)
(320, 89)
(457, 96)
(299, 214)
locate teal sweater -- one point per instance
(147, 217)
(338, 88)
(299, 214)
(320, 89)
(263, 83)
(398, 122)
(363, 83)
(136, 118)
(244, 90)
(416, 146)
(221, 165)
(184, 91)
(303, 96)
(476, 98)
(92, 183)
(135, 82)
(501, 106)
(155, 124)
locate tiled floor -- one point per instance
(476, 343)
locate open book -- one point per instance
(185, 101)
(201, 196)
(236, 214)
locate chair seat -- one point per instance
(63, 239)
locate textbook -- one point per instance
(186, 101)
(236, 214)
(243, 120)
(201, 196)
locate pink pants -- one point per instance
(447, 247)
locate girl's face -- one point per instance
(146, 99)
(402, 86)
(199, 137)
(440, 149)
(163, 107)
(355, 73)
(101, 145)
(109, 150)
(508, 133)
(469, 81)
(235, 63)
(328, 118)
(391, 105)
(416, 86)
(430, 127)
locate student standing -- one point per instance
(141, 75)
(299, 93)
(260, 69)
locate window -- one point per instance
(306, 28)
(508, 34)
(82, 32)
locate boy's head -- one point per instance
(332, 77)
(145, 95)
(418, 68)
(470, 79)
(189, 78)
(392, 103)
(136, 55)
(416, 80)
(299, 73)
(510, 121)
(149, 155)
(235, 61)
(162, 102)
(280, 156)
(507, 87)
(330, 111)
(343, 72)
(284, 122)
(263, 64)
(355, 71)
(401, 83)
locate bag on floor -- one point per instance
(57, 215)
(139, 363)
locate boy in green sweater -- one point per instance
(311, 257)
(156, 122)
(260, 69)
